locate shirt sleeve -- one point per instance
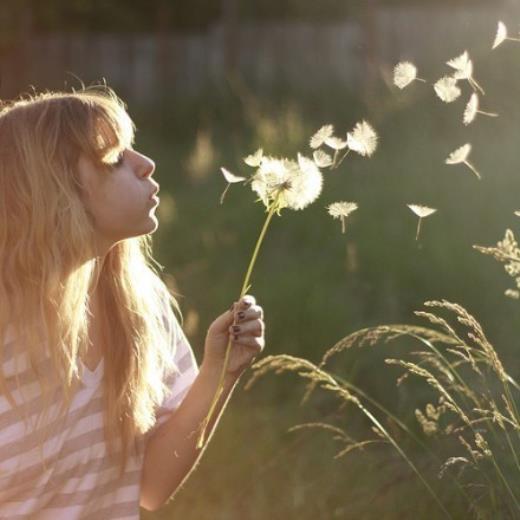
(178, 382)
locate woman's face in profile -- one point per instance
(119, 200)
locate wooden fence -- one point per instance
(297, 55)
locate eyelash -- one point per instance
(120, 159)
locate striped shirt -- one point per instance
(77, 479)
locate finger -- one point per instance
(246, 301)
(253, 313)
(254, 328)
(222, 322)
(252, 342)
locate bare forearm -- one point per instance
(171, 453)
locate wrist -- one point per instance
(213, 371)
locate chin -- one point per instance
(154, 224)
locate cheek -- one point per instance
(118, 210)
(110, 208)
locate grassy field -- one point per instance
(317, 285)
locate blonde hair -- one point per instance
(48, 262)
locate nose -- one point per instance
(146, 165)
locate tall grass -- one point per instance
(471, 414)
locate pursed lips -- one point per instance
(154, 192)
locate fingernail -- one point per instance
(241, 315)
(236, 328)
(246, 303)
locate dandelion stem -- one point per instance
(418, 229)
(205, 422)
(476, 86)
(343, 225)
(224, 193)
(257, 248)
(490, 114)
(334, 158)
(422, 80)
(342, 157)
(473, 169)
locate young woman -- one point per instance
(101, 398)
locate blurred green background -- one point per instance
(207, 83)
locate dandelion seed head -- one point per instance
(446, 89)
(404, 74)
(231, 177)
(460, 155)
(463, 66)
(501, 35)
(322, 159)
(471, 109)
(319, 137)
(255, 159)
(421, 211)
(341, 209)
(363, 139)
(271, 174)
(292, 184)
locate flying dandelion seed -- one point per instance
(517, 213)
(405, 73)
(464, 70)
(472, 109)
(335, 143)
(447, 90)
(362, 139)
(287, 183)
(460, 156)
(319, 137)
(421, 212)
(322, 159)
(230, 179)
(255, 159)
(502, 35)
(341, 210)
